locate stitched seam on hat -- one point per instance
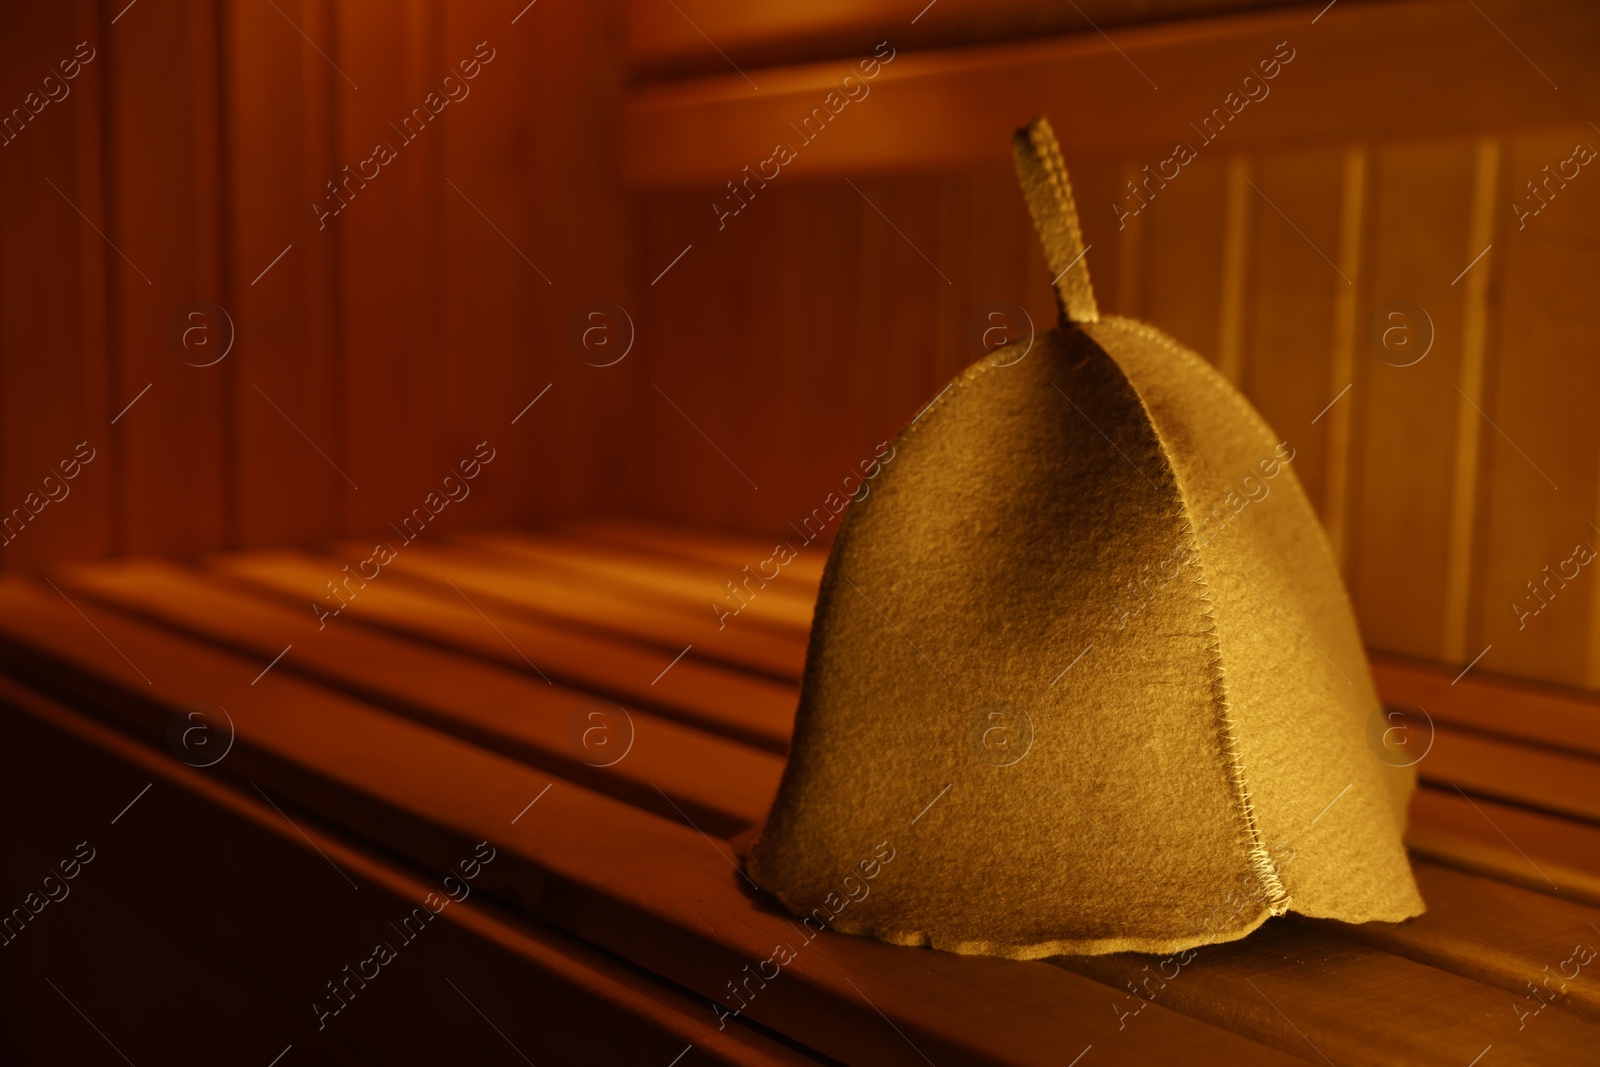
(1256, 854)
(1214, 378)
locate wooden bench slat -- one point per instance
(757, 710)
(1542, 714)
(272, 902)
(658, 540)
(1545, 716)
(387, 667)
(644, 888)
(1466, 839)
(487, 705)
(549, 594)
(782, 603)
(1518, 773)
(1521, 773)
(1494, 933)
(1327, 998)
(1526, 848)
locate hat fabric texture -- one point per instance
(1082, 664)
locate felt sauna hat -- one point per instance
(1083, 677)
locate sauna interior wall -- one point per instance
(375, 350)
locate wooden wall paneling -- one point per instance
(1295, 285)
(505, 324)
(996, 262)
(1129, 291)
(664, 228)
(953, 218)
(278, 140)
(787, 436)
(578, 450)
(1544, 448)
(1348, 407)
(389, 286)
(1096, 185)
(1180, 271)
(703, 389)
(947, 108)
(879, 378)
(1467, 474)
(52, 317)
(815, 432)
(167, 452)
(1420, 222)
(1235, 298)
(703, 35)
(909, 334)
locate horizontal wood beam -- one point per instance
(709, 36)
(1360, 72)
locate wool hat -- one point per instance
(1083, 676)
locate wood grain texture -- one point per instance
(404, 744)
(278, 143)
(950, 108)
(52, 295)
(162, 187)
(792, 337)
(267, 970)
(428, 796)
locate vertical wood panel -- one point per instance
(388, 284)
(1182, 273)
(1543, 436)
(162, 167)
(573, 454)
(1347, 402)
(52, 388)
(1296, 200)
(278, 95)
(1421, 217)
(1470, 426)
(501, 268)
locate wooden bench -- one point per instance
(238, 871)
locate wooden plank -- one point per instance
(756, 710)
(649, 761)
(534, 230)
(783, 605)
(947, 108)
(707, 35)
(1537, 776)
(1514, 845)
(163, 212)
(1294, 282)
(1185, 222)
(1539, 714)
(1520, 774)
(377, 667)
(388, 243)
(631, 883)
(52, 324)
(280, 97)
(1493, 933)
(1472, 950)
(648, 540)
(305, 923)
(1316, 995)
(1542, 451)
(553, 596)
(1420, 216)
(1543, 717)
